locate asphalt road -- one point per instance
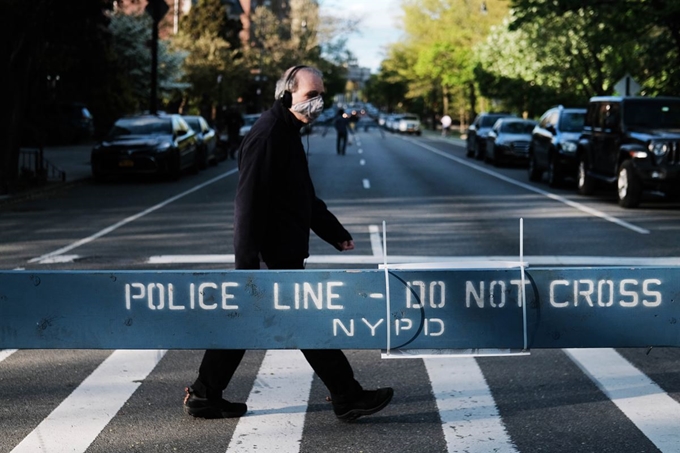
(435, 203)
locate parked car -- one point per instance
(632, 143)
(408, 123)
(207, 140)
(508, 141)
(479, 129)
(67, 123)
(553, 144)
(248, 121)
(156, 144)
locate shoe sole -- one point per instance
(352, 415)
(211, 413)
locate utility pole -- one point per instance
(156, 9)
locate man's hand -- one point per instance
(346, 245)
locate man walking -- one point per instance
(275, 208)
(341, 125)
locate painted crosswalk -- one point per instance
(280, 397)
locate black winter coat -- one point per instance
(276, 205)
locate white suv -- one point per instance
(409, 124)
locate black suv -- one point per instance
(553, 144)
(633, 142)
(478, 132)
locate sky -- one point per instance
(378, 27)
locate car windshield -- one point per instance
(490, 120)
(141, 126)
(572, 121)
(517, 127)
(652, 113)
(194, 123)
(249, 120)
(410, 117)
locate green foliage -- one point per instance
(131, 33)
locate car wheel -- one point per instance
(628, 185)
(534, 171)
(479, 152)
(175, 168)
(203, 159)
(585, 182)
(495, 160)
(554, 173)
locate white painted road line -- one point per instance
(470, 418)
(4, 353)
(367, 184)
(79, 419)
(573, 204)
(362, 162)
(651, 409)
(277, 406)
(376, 241)
(107, 230)
(351, 258)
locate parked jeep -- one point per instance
(632, 142)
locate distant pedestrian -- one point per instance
(234, 121)
(446, 125)
(341, 124)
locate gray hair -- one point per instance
(283, 84)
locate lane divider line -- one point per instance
(367, 184)
(376, 245)
(115, 226)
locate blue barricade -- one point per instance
(349, 309)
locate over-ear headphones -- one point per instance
(287, 96)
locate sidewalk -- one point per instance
(74, 160)
(437, 135)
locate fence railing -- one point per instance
(34, 166)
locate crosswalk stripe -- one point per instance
(4, 353)
(277, 406)
(652, 410)
(79, 419)
(470, 419)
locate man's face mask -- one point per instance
(310, 109)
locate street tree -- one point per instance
(52, 54)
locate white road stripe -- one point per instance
(376, 241)
(350, 258)
(4, 353)
(277, 406)
(79, 419)
(367, 184)
(362, 162)
(573, 204)
(107, 230)
(470, 418)
(653, 411)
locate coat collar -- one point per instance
(286, 115)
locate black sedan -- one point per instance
(508, 141)
(146, 144)
(207, 140)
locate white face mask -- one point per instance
(310, 109)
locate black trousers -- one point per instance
(331, 365)
(341, 142)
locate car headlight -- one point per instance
(569, 147)
(163, 146)
(658, 148)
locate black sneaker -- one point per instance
(211, 408)
(368, 402)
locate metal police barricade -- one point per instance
(398, 309)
